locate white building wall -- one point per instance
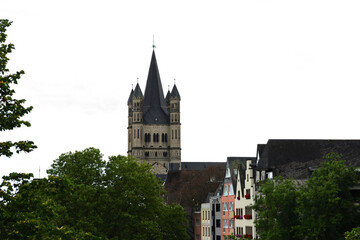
(243, 202)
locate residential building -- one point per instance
(197, 225)
(245, 197)
(216, 215)
(205, 221)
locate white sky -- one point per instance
(247, 71)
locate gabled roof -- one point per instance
(237, 165)
(175, 93)
(130, 97)
(138, 92)
(154, 105)
(293, 157)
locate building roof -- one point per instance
(200, 165)
(175, 93)
(294, 157)
(237, 165)
(154, 105)
(167, 98)
(138, 92)
(130, 97)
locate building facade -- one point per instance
(245, 195)
(205, 221)
(154, 127)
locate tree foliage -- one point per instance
(11, 109)
(124, 202)
(322, 208)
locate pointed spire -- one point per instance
(138, 92)
(168, 95)
(175, 92)
(154, 105)
(129, 102)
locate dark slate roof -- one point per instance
(130, 97)
(138, 92)
(167, 98)
(175, 93)
(200, 165)
(154, 105)
(293, 158)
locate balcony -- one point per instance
(238, 217)
(247, 216)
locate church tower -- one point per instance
(154, 122)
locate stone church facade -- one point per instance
(154, 127)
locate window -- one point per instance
(231, 190)
(225, 193)
(146, 154)
(197, 222)
(225, 224)
(227, 174)
(164, 154)
(248, 230)
(155, 154)
(138, 133)
(218, 207)
(172, 134)
(231, 223)
(218, 223)
(165, 137)
(175, 134)
(225, 206)
(231, 206)
(218, 237)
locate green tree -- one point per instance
(124, 202)
(11, 109)
(325, 205)
(81, 167)
(322, 208)
(354, 234)
(276, 208)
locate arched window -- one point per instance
(154, 137)
(172, 134)
(155, 154)
(175, 134)
(157, 137)
(165, 137)
(162, 137)
(138, 133)
(137, 117)
(134, 133)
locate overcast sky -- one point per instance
(247, 71)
